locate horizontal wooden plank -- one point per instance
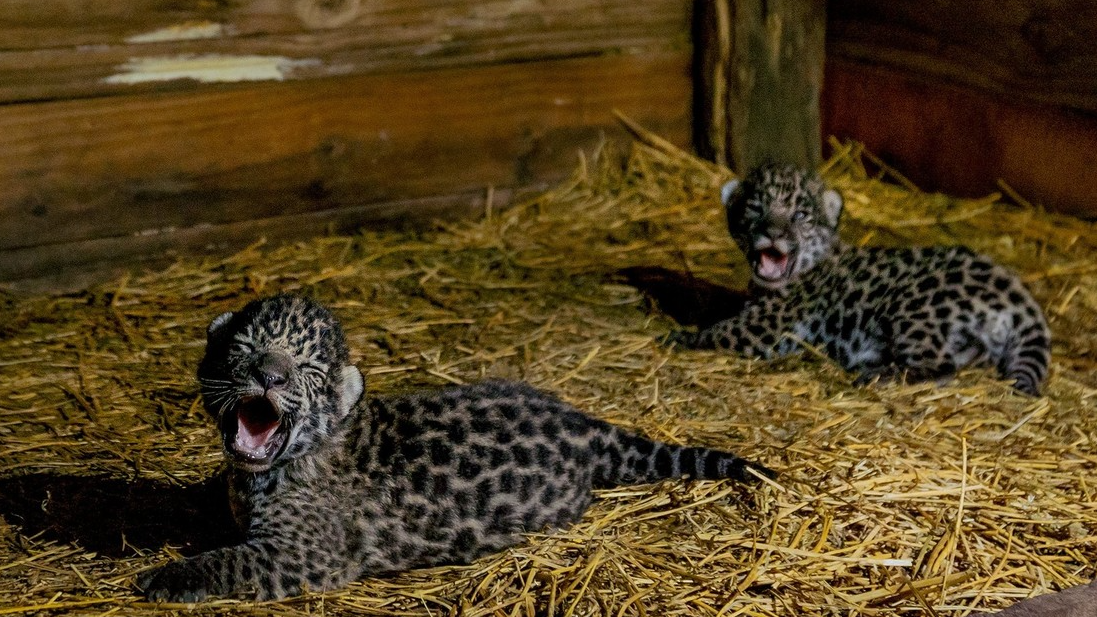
(50, 50)
(124, 166)
(37, 76)
(71, 266)
(1038, 51)
(57, 24)
(961, 140)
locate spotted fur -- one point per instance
(880, 312)
(329, 486)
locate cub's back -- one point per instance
(474, 465)
(937, 277)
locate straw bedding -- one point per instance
(893, 498)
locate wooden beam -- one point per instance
(63, 49)
(71, 266)
(760, 73)
(60, 24)
(154, 165)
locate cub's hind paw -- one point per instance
(865, 378)
(909, 375)
(679, 338)
(174, 582)
(878, 374)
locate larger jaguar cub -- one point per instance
(329, 486)
(922, 312)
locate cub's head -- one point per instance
(277, 380)
(785, 221)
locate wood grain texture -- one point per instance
(152, 164)
(46, 24)
(761, 71)
(960, 140)
(1041, 51)
(71, 266)
(55, 49)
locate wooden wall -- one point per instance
(133, 127)
(959, 94)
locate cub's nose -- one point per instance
(272, 370)
(776, 232)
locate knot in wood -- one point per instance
(327, 13)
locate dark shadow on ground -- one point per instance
(112, 517)
(688, 300)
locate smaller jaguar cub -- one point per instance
(879, 312)
(330, 486)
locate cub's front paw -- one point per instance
(177, 581)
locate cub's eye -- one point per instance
(753, 209)
(800, 215)
(311, 368)
(240, 347)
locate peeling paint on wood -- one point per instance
(187, 31)
(210, 68)
(49, 55)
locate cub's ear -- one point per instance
(218, 324)
(832, 206)
(353, 386)
(727, 192)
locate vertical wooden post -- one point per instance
(759, 72)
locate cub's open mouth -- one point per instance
(771, 264)
(254, 432)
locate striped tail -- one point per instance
(1026, 359)
(625, 458)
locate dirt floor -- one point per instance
(893, 499)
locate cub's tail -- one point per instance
(626, 458)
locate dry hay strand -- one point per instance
(893, 498)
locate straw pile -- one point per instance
(893, 499)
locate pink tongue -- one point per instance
(252, 438)
(772, 265)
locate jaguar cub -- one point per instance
(922, 312)
(329, 486)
